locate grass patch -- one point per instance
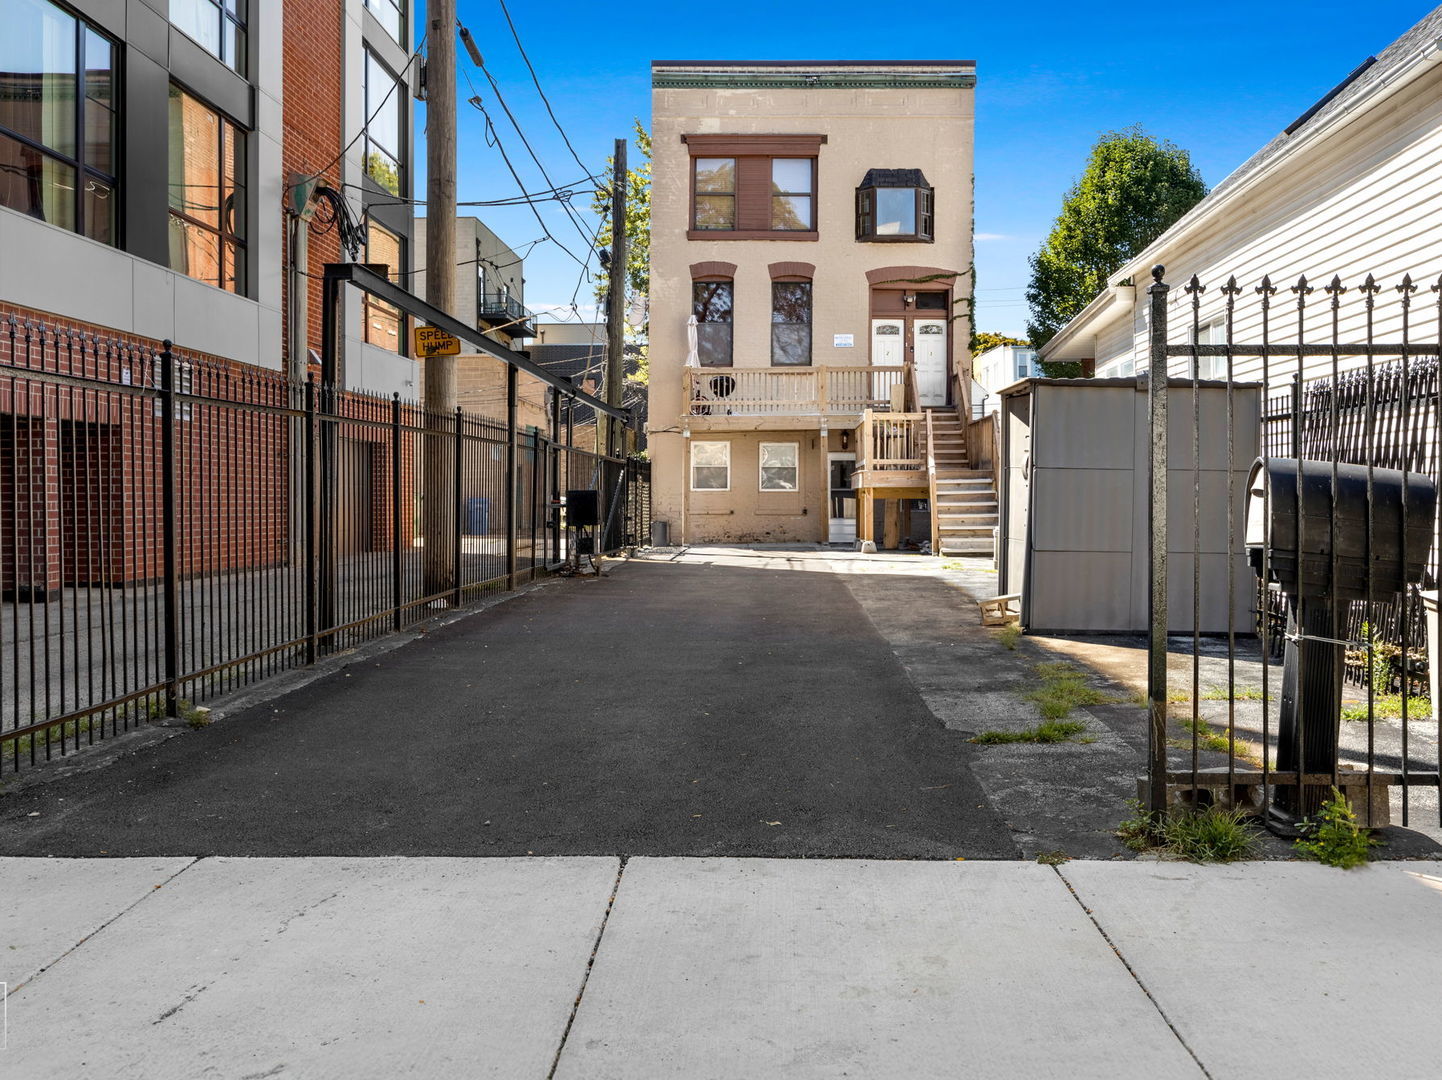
(1334, 838)
(1052, 858)
(1389, 707)
(1214, 834)
(1050, 731)
(1009, 635)
(1064, 688)
(1209, 738)
(1240, 693)
(952, 564)
(1175, 695)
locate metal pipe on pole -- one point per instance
(440, 371)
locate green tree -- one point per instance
(638, 225)
(1134, 187)
(988, 340)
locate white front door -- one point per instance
(841, 498)
(930, 343)
(888, 349)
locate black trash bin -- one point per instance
(1312, 540)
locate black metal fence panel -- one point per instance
(176, 528)
(1337, 524)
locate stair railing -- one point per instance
(931, 488)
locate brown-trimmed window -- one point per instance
(384, 323)
(207, 194)
(895, 204)
(790, 323)
(754, 187)
(711, 303)
(715, 193)
(793, 193)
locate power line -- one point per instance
(545, 100)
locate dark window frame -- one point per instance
(925, 216)
(733, 195)
(239, 27)
(226, 237)
(729, 322)
(810, 293)
(754, 154)
(810, 195)
(78, 163)
(395, 274)
(393, 98)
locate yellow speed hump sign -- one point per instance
(432, 342)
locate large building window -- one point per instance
(790, 323)
(391, 15)
(753, 187)
(58, 120)
(207, 194)
(711, 303)
(710, 466)
(715, 193)
(218, 26)
(895, 204)
(792, 185)
(383, 125)
(384, 323)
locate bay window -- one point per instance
(58, 120)
(895, 204)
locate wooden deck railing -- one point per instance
(894, 441)
(801, 391)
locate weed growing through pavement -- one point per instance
(1208, 738)
(1052, 858)
(1389, 707)
(1064, 688)
(1240, 693)
(1049, 731)
(1213, 834)
(1009, 635)
(1334, 837)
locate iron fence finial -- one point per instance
(1302, 288)
(1266, 288)
(1194, 286)
(1406, 288)
(1231, 288)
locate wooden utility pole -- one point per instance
(440, 371)
(616, 302)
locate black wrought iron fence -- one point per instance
(1333, 531)
(175, 528)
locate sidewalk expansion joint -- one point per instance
(590, 963)
(1132, 972)
(117, 916)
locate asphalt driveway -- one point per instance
(668, 709)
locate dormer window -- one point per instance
(895, 204)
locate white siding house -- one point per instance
(1351, 188)
(996, 369)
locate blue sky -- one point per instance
(1217, 79)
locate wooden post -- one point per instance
(891, 525)
(438, 483)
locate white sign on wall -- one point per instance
(843, 341)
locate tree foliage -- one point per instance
(1134, 188)
(638, 224)
(985, 339)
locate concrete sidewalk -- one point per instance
(587, 967)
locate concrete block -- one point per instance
(761, 968)
(324, 968)
(52, 905)
(1283, 969)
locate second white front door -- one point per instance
(929, 340)
(888, 349)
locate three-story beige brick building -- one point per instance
(814, 219)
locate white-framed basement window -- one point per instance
(710, 466)
(779, 466)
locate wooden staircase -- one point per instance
(964, 510)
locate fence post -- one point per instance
(169, 528)
(1157, 532)
(396, 516)
(310, 523)
(553, 480)
(510, 477)
(456, 505)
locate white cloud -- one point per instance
(983, 237)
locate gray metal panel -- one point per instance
(208, 78)
(1087, 510)
(145, 225)
(1087, 427)
(1080, 591)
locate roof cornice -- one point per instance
(813, 75)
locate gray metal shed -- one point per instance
(1075, 506)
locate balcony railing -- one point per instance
(502, 308)
(801, 391)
